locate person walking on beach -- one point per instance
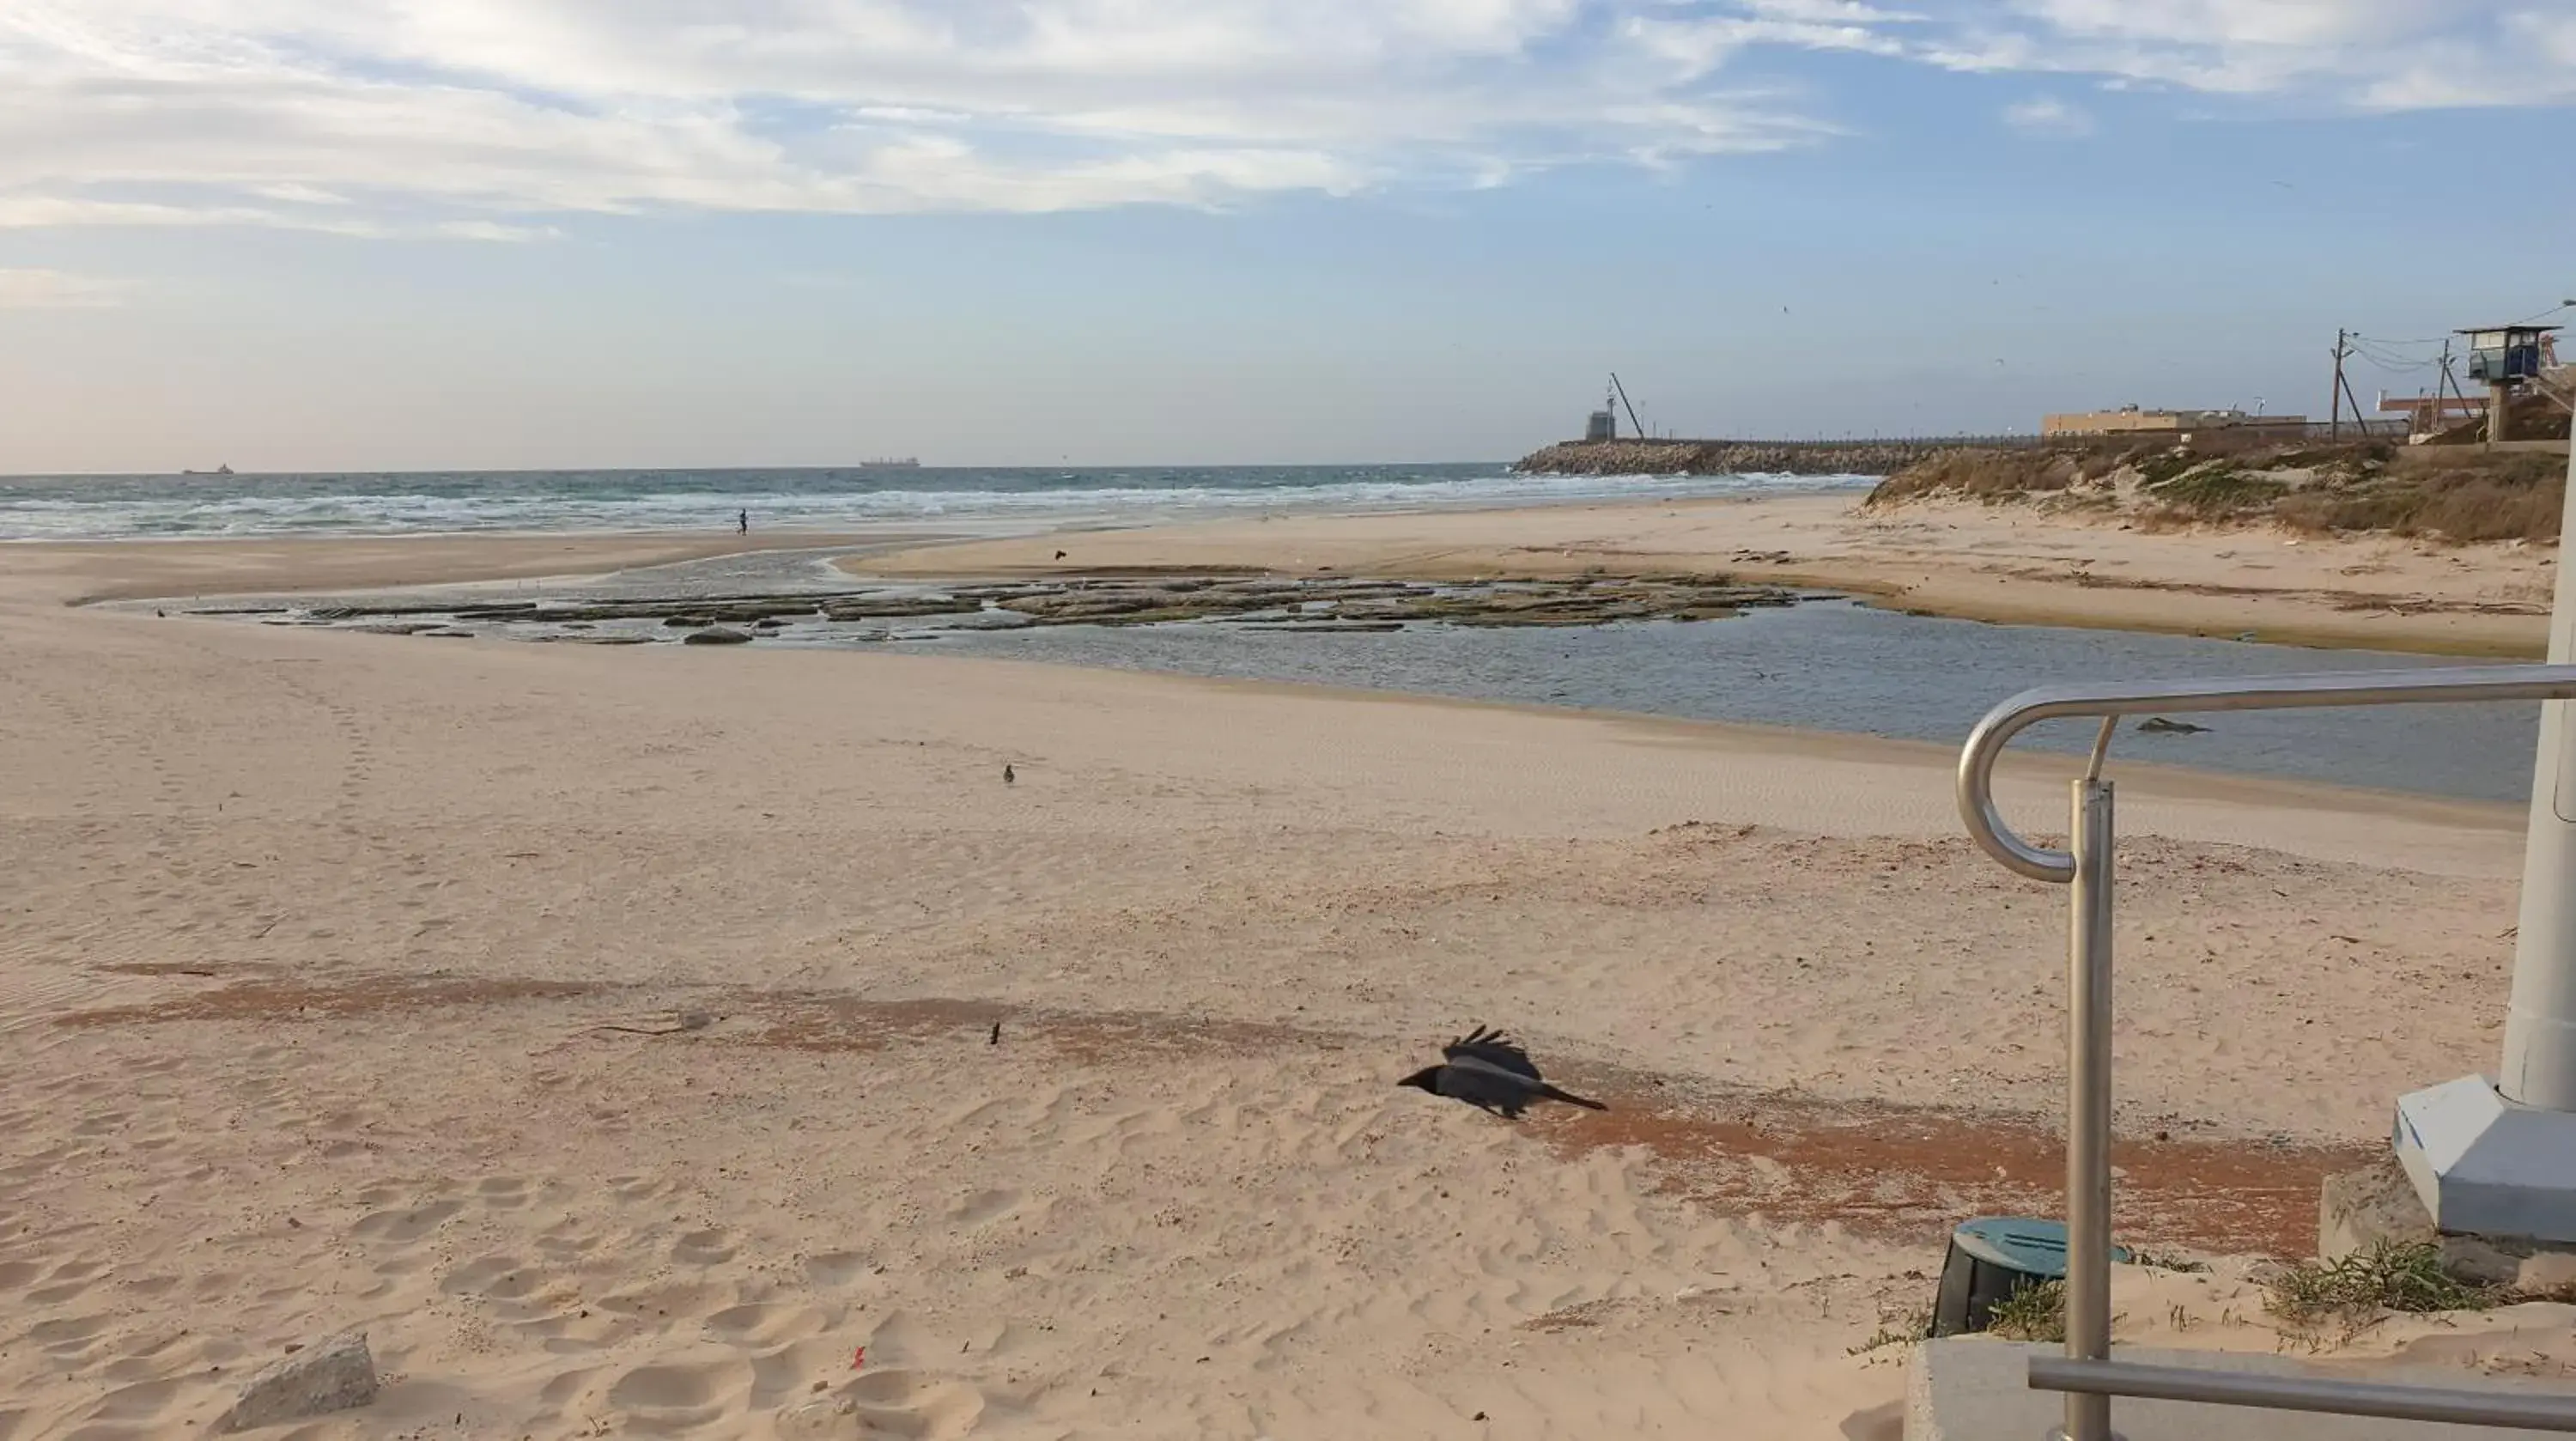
(742, 519)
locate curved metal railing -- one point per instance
(2087, 1374)
(2449, 684)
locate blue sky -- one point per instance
(497, 233)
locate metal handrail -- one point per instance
(2281, 692)
(2521, 1410)
(2087, 1375)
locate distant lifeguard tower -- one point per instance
(2507, 358)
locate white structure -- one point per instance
(2499, 1157)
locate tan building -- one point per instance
(2130, 420)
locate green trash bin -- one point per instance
(1990, 1258)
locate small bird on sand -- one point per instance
(1059, 555)
(1008, 775)
(1489, 1070)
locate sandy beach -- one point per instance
(610, 1032)
(1996, 563)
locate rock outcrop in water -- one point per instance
(1339, 605)
(1728, 457)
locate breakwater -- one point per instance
(1751, 457)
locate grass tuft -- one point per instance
(1898, 1330)
(2033, 1312)
(2214, 492)
(2352, 1292)
(2506, 497)
(1993, 476)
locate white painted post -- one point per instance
(2540, 1028)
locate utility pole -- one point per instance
(2441, 377)
(2334, 398)
(2441, 383)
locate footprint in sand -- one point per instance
(637, 1188)
(711, 1247)
(405, 1226)
(495, 1278)
(766, 1323)
(788, 1374)
(892, 1402)
(670, 1397)
(837, 1268)
(671, 1299)
(566, 1240)
(984, 1206)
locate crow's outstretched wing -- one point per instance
(1494, 1049)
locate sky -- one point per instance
(469, 234)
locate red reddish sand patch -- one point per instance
(1880, 1167)
(1906, 1170)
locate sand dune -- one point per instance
(310, 937)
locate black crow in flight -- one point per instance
(1488, 1070)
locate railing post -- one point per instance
(2088, 1119)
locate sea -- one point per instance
(940, 499)
(1826, 664)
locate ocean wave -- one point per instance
(88, 508)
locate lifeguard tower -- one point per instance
(2507, 358)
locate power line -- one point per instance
(2395, 362)
(2390, 358)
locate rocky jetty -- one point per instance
(1730, 457)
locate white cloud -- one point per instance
(58, 290)
(2330, 54)
(351, 115)
(2048, 115)
(493, 119)
(36, 211)
(494, 230)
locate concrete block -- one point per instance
(2486, 1166)
(2356, 1209)
(1974, 1388)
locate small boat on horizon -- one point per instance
(218, 470)
(904, 462)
